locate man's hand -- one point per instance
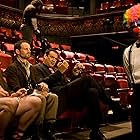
(3, 93)
(63, 66)
(43, 87)
(78, 68)
(20, 93)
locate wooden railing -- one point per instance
(66, 26)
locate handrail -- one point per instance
(10, 8)
(66, 26)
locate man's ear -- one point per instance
(44, 56)
(17, 51)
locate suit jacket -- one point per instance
(54, 80)
(16, 76)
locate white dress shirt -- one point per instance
(134, 63)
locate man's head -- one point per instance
(22, 49)
(38, 4)
(50, 57)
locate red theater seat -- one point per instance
(99, 68)
(73, 116)
(88, 67)
(40, 60)
(36, 44)
(18, 34)
(69, 55)
(32, 60)
(120, 71)
(90, 58)
(124, 92)
(110, 84)
(66, 47)
(3, 31)
(5, 60)
(110, 69)
(9, 47)
(54, 45)
(98, 77)
(66, 54)
(80, 57)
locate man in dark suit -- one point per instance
(12, 104)
(20, 74)
(73, 94)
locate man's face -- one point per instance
(51, 59)
(25, 51)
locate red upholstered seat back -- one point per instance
(5, 60)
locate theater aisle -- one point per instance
(118, 131)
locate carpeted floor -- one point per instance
(119, 131)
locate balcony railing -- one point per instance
(66, 26)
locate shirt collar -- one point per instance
(23, 63)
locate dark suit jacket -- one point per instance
(16, 76)
(54, 80)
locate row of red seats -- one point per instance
(118, 89)
(90, 67)
(111, 77)
(9, 35)
(106, 74)
(37, 44)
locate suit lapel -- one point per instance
(21, 68)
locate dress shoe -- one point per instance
(33, 137)
(50, 136)
(97, 135)
(49, 131)
(116, 107)
(40, 134)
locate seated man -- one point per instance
(20, 74)
(25, 108)
(75, 92)
(8, 107)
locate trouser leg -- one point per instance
(136, 114)
(71, 96)
(79, 87)
(85, 82)
(78, 94)
(27, 33)
(8, 108)
(104, 96)
(94, 113)
(51, 107)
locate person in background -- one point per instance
(12, 105)
(29, 23)
(83, 89)
(131, 63)
(20, 74)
